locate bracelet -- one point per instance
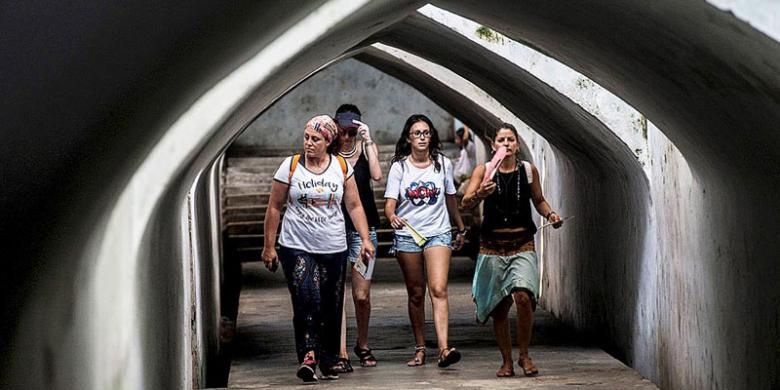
(368, 143)
(461, 232)
(549, 214)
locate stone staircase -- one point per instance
(246, 186)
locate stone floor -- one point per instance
(264, 355)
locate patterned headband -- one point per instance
(324, 125)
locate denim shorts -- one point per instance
(354, 242)
(407, 244)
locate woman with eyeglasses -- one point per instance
(363, 155)
(419, 203)
(507, 272)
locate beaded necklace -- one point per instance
(500, 180)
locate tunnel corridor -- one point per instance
(655, 123)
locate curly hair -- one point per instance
(403, 148)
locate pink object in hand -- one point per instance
(492, 167)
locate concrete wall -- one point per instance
(664, 310)
(384, 102)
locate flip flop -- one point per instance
(529, 370)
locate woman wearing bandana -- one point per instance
(313, 245)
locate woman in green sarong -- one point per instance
(507, 269)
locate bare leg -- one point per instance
(361, 296)
(412, 268)
(503, 337)
(343, 348)
(525, 321)
(437, 266)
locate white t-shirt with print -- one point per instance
(313, 221)
(420, 197)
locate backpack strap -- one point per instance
(343, 164)
(529, 173)
(293, 164)
(296, 158)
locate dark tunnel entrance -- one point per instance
(117, 252)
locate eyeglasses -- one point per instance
(351, 132)
(420, 134)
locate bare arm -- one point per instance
(358, 215)
(452, 208)
(372, 153)
(542, 207)
(271, 224)
(395, 221)
(476, 192)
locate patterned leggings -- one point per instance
(316, 284)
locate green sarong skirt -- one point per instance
(496, 277)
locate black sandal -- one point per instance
(416, 362)
(367, 359)
(452, 357)
(343, 366)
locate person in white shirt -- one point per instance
(467, 160)
(313, 244)
(420, 199)
(472, 153)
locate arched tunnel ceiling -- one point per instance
(111, 117)
(574, 131)
(470, 112)
(709, 81)
(91, 94)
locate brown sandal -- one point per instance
(417, 361)
(530, 369)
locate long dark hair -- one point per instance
(404, 149)
(335, 145)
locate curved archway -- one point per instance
(698, 87)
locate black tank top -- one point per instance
(509, 205)
(366, 192)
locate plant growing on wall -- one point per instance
(490, 35)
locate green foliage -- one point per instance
(490, 35)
